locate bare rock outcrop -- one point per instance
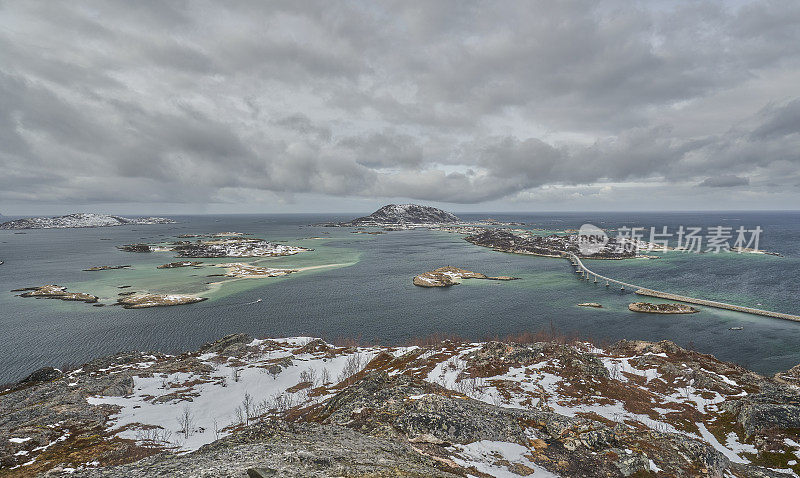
(448, 409)
(404, 214)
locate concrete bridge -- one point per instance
(590, 276)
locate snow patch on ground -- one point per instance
(732, 455)
(484, 455)
(231, 395)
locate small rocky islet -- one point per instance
(107, 268)
(128, 300)
(53, 291)
(175, 265)
(143, 301)
(650, 308)
(242, 270)
(448, 276)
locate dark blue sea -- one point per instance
(368, 294)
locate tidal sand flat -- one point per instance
(237, 271)
(241, 270)
(206, 279)
(154, 292)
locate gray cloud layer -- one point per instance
(725, 181)
(461, 102)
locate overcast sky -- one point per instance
(191, 107)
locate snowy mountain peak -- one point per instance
(406, 214)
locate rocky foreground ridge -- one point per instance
(80, 220)
(303, 407)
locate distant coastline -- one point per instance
(81, 220)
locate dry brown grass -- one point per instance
(82, 448)
(550, 333)
(435, 339)
(349, 342)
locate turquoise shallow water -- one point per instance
(369, 294)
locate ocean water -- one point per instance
(361, 288)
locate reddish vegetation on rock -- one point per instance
(303, 407)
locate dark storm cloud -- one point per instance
(780, 122)
(444, 101)
(725, 181)
(383, 150)
(302, 124)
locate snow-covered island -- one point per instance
(237, 246)
(554, 245)
(402, 215)
(81, 220)
(399, 217)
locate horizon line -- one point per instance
(571, 211)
